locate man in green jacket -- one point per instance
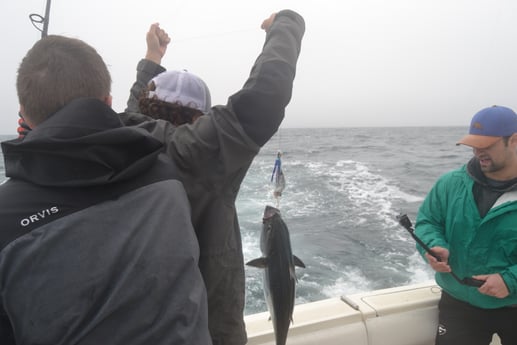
(469, 220)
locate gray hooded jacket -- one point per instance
(213, 156)
(96, 241)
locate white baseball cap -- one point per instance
(181, 87)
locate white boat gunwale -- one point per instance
(405, 315)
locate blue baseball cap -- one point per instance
(489, 125)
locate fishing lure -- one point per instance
(278, 178)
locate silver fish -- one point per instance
(279, 264)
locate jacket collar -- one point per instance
(83, 144)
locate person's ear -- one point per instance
(512, 141)
(27, 121)
(108, 100)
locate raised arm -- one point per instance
(261, 103)
(157, 41)
(229, 136)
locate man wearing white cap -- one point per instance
(214, 147)
(469, 220)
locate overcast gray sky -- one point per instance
(363, 62)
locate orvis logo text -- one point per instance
(39, 216)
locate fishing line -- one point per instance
(223, 33)
(277, 176)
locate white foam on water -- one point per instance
(368, 192)
(349, 281)
(420, 270)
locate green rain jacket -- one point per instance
(449, 218)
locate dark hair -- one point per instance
(57, 70)
(175, 113)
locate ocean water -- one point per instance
(344, 189)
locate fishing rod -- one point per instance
(38, 19)
(406, 224)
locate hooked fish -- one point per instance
(279, 264)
